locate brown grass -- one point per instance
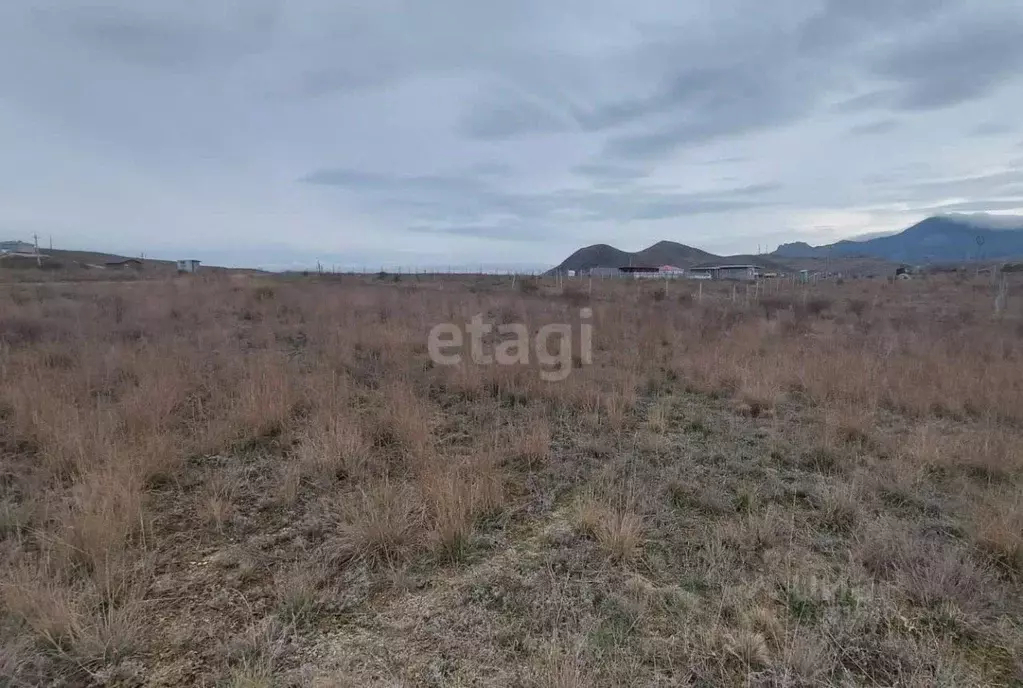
(617, 530)
(265, 481)
(380, 521)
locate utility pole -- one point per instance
(39, 261)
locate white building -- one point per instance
(603, 272)
(189, 265)
(671, 272)
(16, 247)
(726, 272)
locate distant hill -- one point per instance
(800, 249)
(948, 239)
(661, 253)
(98, 263)
(95, 258)
(596, 256)
(671, 253)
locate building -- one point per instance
(125, 264)
(189, 265)
(639, 271)
(603, 272)
(727, 272)
(17, 247)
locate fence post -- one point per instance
(1000, 297)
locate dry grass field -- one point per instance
(258, 482)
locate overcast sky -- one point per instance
(465, 132)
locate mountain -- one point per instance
(596, 256)
(800, 249)
(661, 253)
(952, 238)
(671, 253)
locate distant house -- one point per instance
(189, 265)
(603, 272)
(640, 271)
(16, 247)
(637, 271)
(124, 264)
(727, 272)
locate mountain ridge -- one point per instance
(662, 253)
(939, 239)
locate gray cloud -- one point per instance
(606, 173)
(357, 180)
(873, 128)
(840, 24)
(949, 66)
(501, 232)
(462, 203)
(992, 184)
(506, 117)
(972, 206)
(876, 99)
(166, 38)
(992, 129)
(521, 129)
(708, 107)
(727, 160)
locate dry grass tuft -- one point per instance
(254, 657)
(336, 450)
(533, 444)
(79, 626)
(216, 501)
(999, 533)
(456, 497)
(618, 531)
(749, 649)
(382, 522)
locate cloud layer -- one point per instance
(458, 132)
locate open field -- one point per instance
(249, 481)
